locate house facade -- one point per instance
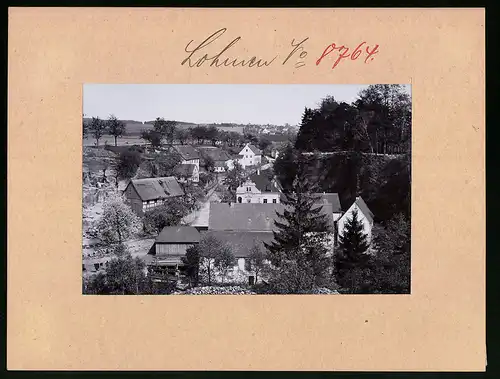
(220, 157)
(187, 173)
(244, 227)
(250, 156)
(365, 215)
(188, 154)
(143, 195)
(169, 248)
(258, 188)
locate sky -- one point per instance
(211, 103)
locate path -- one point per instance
(200, 217)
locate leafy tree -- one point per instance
(251, 138)
(128, 163)
(234, 138)
(256, 261)
(209, 163)
(167, 162)
(234, 178)
(118, 222)
(152, 136)
(125, 275)
(224, 260)
(166, 129)
(199, 133)
(115, 127)
(169, 131)
(193, 196)
(96, 285)
(392, 264)
(170, 213)
(224, 136)
(97, 129)
(191, 262)
(212, 134)
(214, 254)
(182, 135)
(297, 249)
(264, 143)
(285, 166)
(351, 258)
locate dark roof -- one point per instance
(364, 208)
(263, 182)
(215, 153)
(185, 169)
(241, 242)
(254, 149)
(250, 216)
(157, 188)
(333, 199)
(178, 234)
(187, 152)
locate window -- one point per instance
(249, 189)
(274, 201)
(239, 199)
(249, 200)
(265, 201)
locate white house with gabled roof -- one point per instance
(250, 156)
(365, 215)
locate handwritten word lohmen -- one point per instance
(195, 60)
(200, 55)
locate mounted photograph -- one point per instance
(236, 189)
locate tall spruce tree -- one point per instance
(351, 258)
(297, 252)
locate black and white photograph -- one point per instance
(239, 189)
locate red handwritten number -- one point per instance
(327, 51)
(357, 52)
(343, 53)
(371, 53)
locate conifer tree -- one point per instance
(351, 257)
(297, 252)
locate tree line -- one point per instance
(362, 137)
(168, 131)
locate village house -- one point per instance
(250, 156)
(260, 187)
(241, 244)
(219, 156)
(365, 216)
(187, 173)
(188, 154)
(244, 226)
(169, 248)
(231, 161)
(145, 194)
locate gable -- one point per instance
(362, 214)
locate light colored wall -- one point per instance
(336, 216)
(171, 249)
(192, 161)
(255, 195)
